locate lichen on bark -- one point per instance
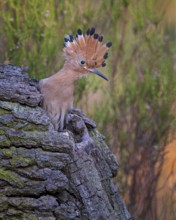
(50, 175)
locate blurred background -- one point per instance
(136, 109)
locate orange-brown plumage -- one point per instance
(83, 55)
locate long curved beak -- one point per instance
(98, 73)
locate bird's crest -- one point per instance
(90, 46)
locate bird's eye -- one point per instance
(82, 62)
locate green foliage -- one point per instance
(32, 32)
(135, 110)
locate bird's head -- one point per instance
(85, 54)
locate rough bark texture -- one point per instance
(49, 175)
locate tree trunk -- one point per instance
(49, 175)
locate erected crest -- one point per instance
(90, 46)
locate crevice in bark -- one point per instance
(50, 175)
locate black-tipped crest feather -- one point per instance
(92, 31)
(79, 31)
(90, 47)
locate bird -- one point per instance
(83, 55)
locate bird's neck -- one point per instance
(66, 76)
(69, 72)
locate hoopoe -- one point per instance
(83, 55)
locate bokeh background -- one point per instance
(136, 109)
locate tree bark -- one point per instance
(49, 175)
